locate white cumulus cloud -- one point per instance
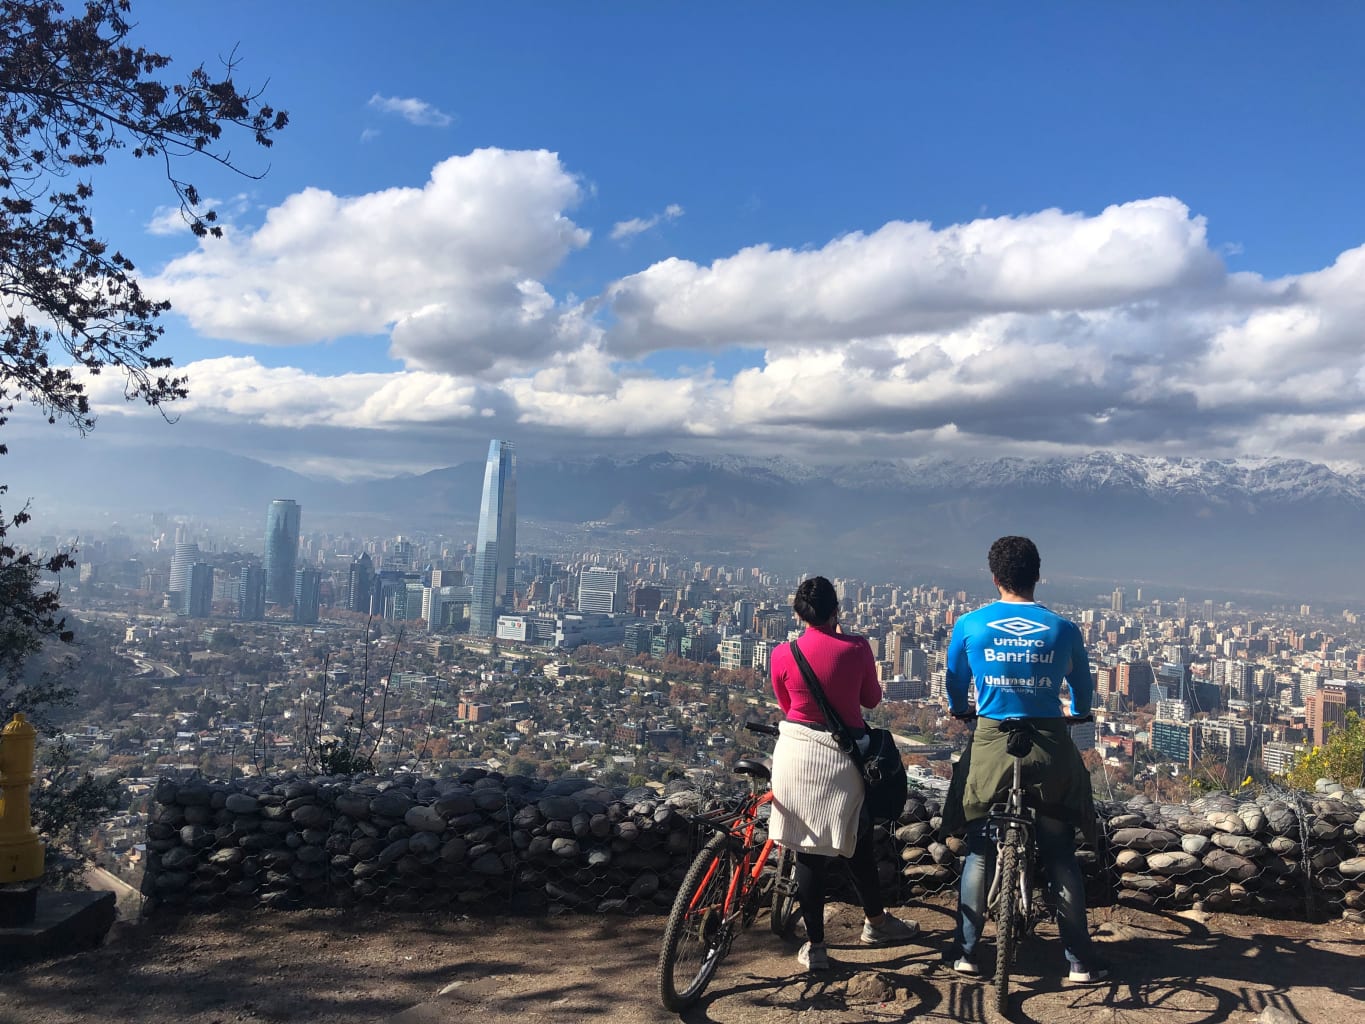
(412, 110)
(626, 229)
(1038, 333)
(908, 276)
(450, 270)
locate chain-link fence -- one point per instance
(485, 842)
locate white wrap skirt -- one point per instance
(817, 793)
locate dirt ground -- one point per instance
(331, 967)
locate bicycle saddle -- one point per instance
(1021, 732)
(752, 766)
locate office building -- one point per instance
(1133, 684)
(198, 602)
(898, 687)
(601, 590)
(445, 608)
(307, 596)
(282, 521)
(178, 582)
(646, 600)
(1172, 682)
(737, 652)
(251, 593)
(360, 584)
(496, 546)
(1083, 735)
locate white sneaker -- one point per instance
(813, 956)
(963, 965)
(1087, 975)
(889, 932)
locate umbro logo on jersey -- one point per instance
(1017, 626)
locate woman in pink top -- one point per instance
(817, 788)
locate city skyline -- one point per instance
(1046, 232)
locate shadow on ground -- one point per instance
(333, 967)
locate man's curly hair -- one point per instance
(1015, 563)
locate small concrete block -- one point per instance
(65, 922)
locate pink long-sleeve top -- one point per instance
(845, 667)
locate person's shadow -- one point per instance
(1172, 968)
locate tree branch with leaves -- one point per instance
(74, 91)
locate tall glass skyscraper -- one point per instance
(496, 551)
(281, 549)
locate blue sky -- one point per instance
(871, 229)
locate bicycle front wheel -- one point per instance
(784, 893)
(1006, 921)
(697, 934)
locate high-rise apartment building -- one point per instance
(1133, 683)
(1116, 601)
(496, 546)
(915, 663)
(281, 549)
(1327, 706)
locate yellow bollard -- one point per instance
(21, 852)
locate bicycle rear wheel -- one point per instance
(697, 935)
(1006, 921)
(784, 894)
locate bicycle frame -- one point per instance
(705, 921)
(740, 826)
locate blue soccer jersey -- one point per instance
(1019, 654)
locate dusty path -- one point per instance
(336, 968)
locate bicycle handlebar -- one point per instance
(972, 716)
(761, 727)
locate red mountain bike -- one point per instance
(738, 870)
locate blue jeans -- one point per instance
(1066, 888)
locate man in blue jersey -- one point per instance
(1019, 653)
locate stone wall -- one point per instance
(411, 843)
(527, 846)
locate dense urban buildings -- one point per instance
(620, 657)
(495, 550)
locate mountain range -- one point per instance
(1274, 525)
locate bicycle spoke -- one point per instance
(699, 927)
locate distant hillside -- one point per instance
(1276, 525)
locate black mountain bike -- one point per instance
(1011, 901)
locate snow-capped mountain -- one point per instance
(1280, 525)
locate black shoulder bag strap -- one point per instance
(836, 724)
